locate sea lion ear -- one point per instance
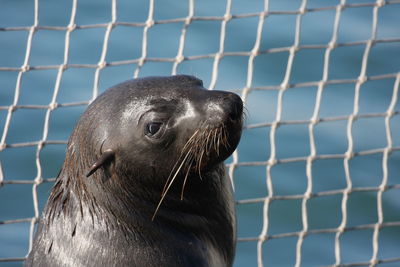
(105, 157)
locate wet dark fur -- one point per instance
(164, 203)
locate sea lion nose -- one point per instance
(236, 108)
(232, 104)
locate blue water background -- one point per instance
(203, 38)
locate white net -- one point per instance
(317, 173)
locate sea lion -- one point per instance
(143, 182)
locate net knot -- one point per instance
(63, 67)
(25, 68)
(272, 161)
(53, 106)
(332, 45)
(284, 86)
(218, 56)
(311, 158)
(340, 7)
(362, 79)
(71, 27)
(38, 180)
(308, 195)
(227, 17)
(12, 108)
(315, 120)
(263, 238)
(41, 144)
(188, 20)
(102, 64)
(149, 23)
(380, 3)
(294, 49)
(383, 188)
(142, 61)
(390, 113)
(112, 25)
(179, 59)
(276, 124)
(341, 229)
(349, 154)
(374, 262)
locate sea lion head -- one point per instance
(153, 132)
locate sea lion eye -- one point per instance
(153, 127)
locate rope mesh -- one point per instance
(271, 128)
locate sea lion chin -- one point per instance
(143, 182)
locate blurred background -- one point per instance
(317, 173)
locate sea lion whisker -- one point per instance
(208, 143)
(169, 186)
(189, 167)
(186, 176)
(190, 141)
(171, 172)
(212, 141)
(199, 163)
(225, 137)
(179, 159)
(210, 136)
(216, 140)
